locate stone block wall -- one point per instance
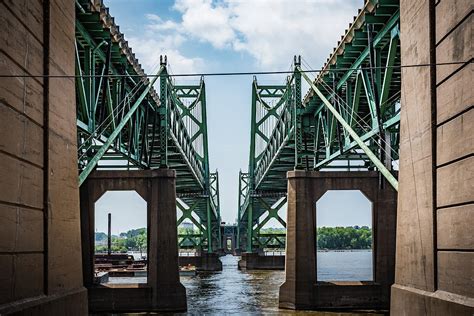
(435, 240)
(40, 247)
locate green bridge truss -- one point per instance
(348, 120)
(124, 124)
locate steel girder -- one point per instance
(348, 120)
(123, 123)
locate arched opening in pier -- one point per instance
(344, 236)
(121, 237)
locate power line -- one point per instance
(247, 73)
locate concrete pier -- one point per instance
(163, 291)
(206, 262)
(301, 289)
(40, 245)
(256, 261)
(435, 248)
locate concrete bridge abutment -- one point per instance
(40, 245)
(163, 290)
(301, 289)
(435, 248)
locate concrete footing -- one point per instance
(206, 262)
(163, 291)
(255, 261)
(301, 289)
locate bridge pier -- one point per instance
(40, 256)
(163, 291)
(257, 261)
(205, 262)
(301, 289)
(435, 249)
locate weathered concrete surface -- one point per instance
(163, 291)
(40, 248)
(208, 262)
(435, 259)
(255, 261)
(301, 289)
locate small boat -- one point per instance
(188, 270)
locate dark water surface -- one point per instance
(256, 292)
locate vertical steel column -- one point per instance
(297, 110)
(251, 183)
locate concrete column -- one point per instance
(163, 291)
(301, 289)
(168, 292)
(300, 260)
(435, 243)
(40, 249)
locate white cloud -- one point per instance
(205, 21)
(272, 32)
(149, 50)
(162, 38)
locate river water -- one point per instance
(256, 292)
(232, 291)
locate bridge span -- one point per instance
(390, 114)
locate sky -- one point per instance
(202, 36)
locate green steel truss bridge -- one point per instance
(348, 120)
(123, 123)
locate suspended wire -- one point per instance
(247, 73)
(347, 108)
(119, 110)
(366, 129)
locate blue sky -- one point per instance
(228, 35)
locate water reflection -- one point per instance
(256, 292)
(233, 292)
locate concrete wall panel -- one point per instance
(27, 275)
(20, 182)
(6, 282)
(25, 95)
(30, 13)
(22, 231)
(455, 94)
(456, 183)
(21, 276)
(452, 274)
(448, 15)
(456, 47)
(23, 48)
(455, 139)
(455, 227)
(21, 137)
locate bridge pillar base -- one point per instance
(163, 291)
(255, 261)
(301, 289)
(205, 262)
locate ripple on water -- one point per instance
(256, 292)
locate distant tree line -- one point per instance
(351, 237)
(134, 240)
(339, 238)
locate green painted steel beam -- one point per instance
(385, 172)
(93, 162)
